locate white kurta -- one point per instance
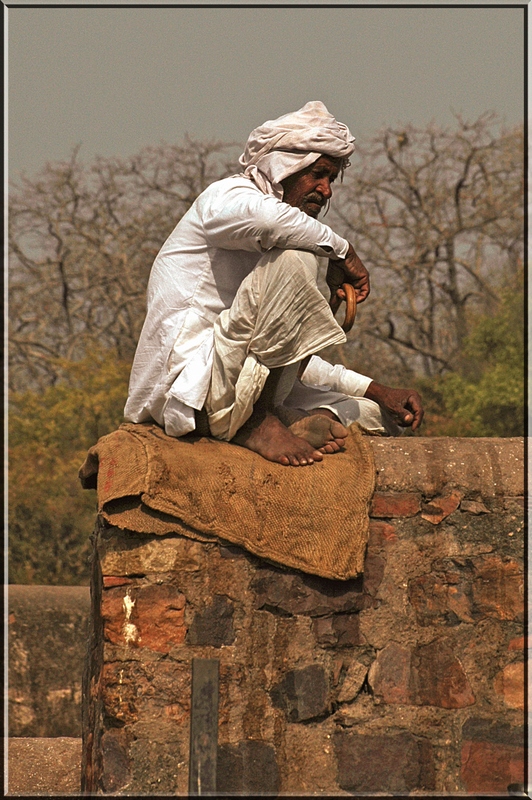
(194, 278)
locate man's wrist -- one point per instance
(374, 391)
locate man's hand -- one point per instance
(403, 405)
(347, 270)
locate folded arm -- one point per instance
(243, 218)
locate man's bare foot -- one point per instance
(289, 415)
(275, 442)
(321, 431)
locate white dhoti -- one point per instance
(277, 319)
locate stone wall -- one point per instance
(47, 631)
(407, 680)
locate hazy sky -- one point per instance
(116, 79)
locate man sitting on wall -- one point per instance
(235, 317)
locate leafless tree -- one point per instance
(437, 216)
(82, 242)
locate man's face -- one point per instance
(310, 188)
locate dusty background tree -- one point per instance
(437, 216)
(82, 241)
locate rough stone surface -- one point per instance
(438, 677)
(155, 766)
(47, 629)
(486, 468)
(214, 624)
(140, 554)
(340, 630)
(389, 676)
(353, 682)
(249, 767)
(115, 761)
(474, 507)
(145, 615)
(468, 589)
(45, 766)
(407, 680)
(302, 693)
(491, 768)
(310, 766)
(510, 684)
(388, 764)
(440, 507)
(295, 593)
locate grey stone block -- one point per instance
(303, 693)
(250, 767)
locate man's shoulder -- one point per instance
(231, 184)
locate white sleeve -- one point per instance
(334, 378)
(241, 218)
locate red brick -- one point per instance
(467, 589)
(381, 533)
(436, 600)
(389, 676)
(114, 580)
(155, 619)
(438, 678)
(395, 505)
(498, 588)
(510, 684)
(440, 507)
(519, 643)
(430, 675)
(491, 767)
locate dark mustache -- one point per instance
(314, 198)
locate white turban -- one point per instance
(285, 145)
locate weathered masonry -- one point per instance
(408, 680)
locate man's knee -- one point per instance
(289, 261)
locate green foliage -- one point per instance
(50, 515)
(486, 397)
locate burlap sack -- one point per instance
(310, 518)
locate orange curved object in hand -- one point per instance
(351, 306)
